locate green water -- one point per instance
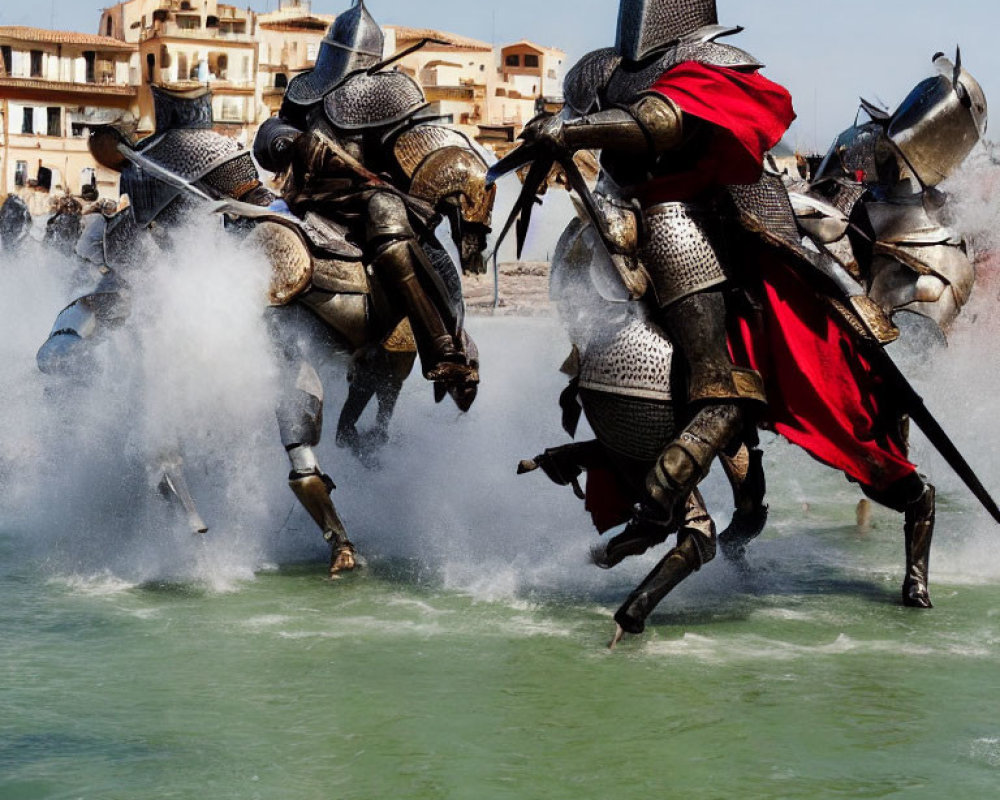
(387, 685)
(468, 660)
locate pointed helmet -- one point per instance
(646, 26)
(353, 43)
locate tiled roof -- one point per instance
(533, 46)
(404, 34)
(22, 33)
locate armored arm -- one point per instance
(654, 124)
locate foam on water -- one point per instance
(193, 372)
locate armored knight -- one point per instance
(621, 368)
(186, 147)
(163, 176)
(356, 147)
(708, 240)
(875, 206)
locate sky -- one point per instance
(828, 54)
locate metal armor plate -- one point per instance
(632, 360)
(456, 172)
(632, 426)
(678, 255)
(627, 84)
(764, 208)
(373, 101)
(588, 77)
(417, 143)
(289, 257)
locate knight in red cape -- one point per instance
(683, 121)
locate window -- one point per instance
(150, 67)
(110, 27)
(8, 59)
(54, 127)
(232, 109)
(36, 63)
(90, 59)
(513, 61)
(21, 173)
(78, 130)
(188, 23)
(312, 50)
(28, 121)
(280, 80)
(531, 61)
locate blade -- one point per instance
(537, 176)
(511, 162)
(525, 200)
(914, 405)
(161, 173)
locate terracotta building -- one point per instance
(186, 43)
(54, 85)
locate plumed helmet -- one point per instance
(940, 121)
(182, 110)
(15, 222)
(646, 26)
(353, 43)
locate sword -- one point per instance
(913, 404)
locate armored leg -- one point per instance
(919, 530)
(696, 546)
(399, 261)
(69, 349)
(300, 420)
(173, 486)
(374, 373)
(745, 470)
(716, 389)
(915, 498)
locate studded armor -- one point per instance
(646, 26)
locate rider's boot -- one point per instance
(919, 530)
(696, 546)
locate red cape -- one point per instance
(823, 395)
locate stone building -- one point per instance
(187, 43)
(55, 85)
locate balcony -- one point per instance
(39, 85)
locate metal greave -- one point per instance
(696, 546)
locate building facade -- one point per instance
(183, 44)
(54, 86)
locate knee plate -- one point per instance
(300, 413)
(388, 218)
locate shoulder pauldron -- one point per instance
(366, 101)
(587, 79)
(442, 163)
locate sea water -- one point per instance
(468, 660)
